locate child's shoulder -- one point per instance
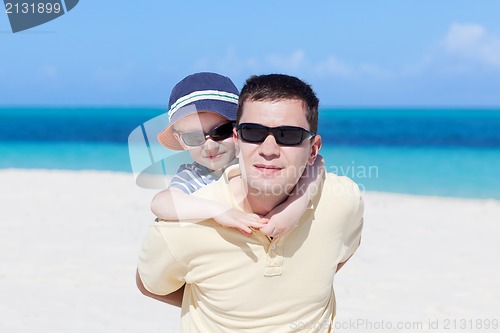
(194, 170)
(191, 177)
(188, 167)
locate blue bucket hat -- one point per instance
(199, 92)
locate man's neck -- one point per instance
(259, 204)
(262, 204)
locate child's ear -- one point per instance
(178, 138)
(315, 147)
(235, 135)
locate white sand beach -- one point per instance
(69, 243)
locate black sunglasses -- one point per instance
(218, 133)
(284, 135)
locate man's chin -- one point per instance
(270, 188)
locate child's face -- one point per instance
(214, 155)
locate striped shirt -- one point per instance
(192, 177)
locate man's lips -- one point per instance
(267, 168)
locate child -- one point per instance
(202, 111)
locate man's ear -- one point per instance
(315, 147)
(235, 141)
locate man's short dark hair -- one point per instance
(275, 87)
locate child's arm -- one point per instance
(174, 205)
(285, 217)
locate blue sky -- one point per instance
(354, 53)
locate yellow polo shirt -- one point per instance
(238, 283)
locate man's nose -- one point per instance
(269, 147)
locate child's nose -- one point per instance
(211, 144)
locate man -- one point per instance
(236, 283)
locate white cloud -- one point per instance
(419, 67)
(374, 71)
(461, 36)
(116, 78)
(230, 64)
(295, 63)
(331, 66)
(473, 41)
(289, 63)
(469, 42)
(458, 52)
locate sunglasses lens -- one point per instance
(218, 133)
(288, 136)
(221, 132)
(193, 139)
(253, 132)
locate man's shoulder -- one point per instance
(343, 196)
(343, 191)
(341, 185)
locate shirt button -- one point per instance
(273, 247)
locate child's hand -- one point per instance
(240, 220)
(280, 222)
(286, 216)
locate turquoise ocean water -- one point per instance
(444, 152)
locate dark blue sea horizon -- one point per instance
(429, 151)
(447, 127)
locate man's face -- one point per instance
(215, 155)
(269, 168)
